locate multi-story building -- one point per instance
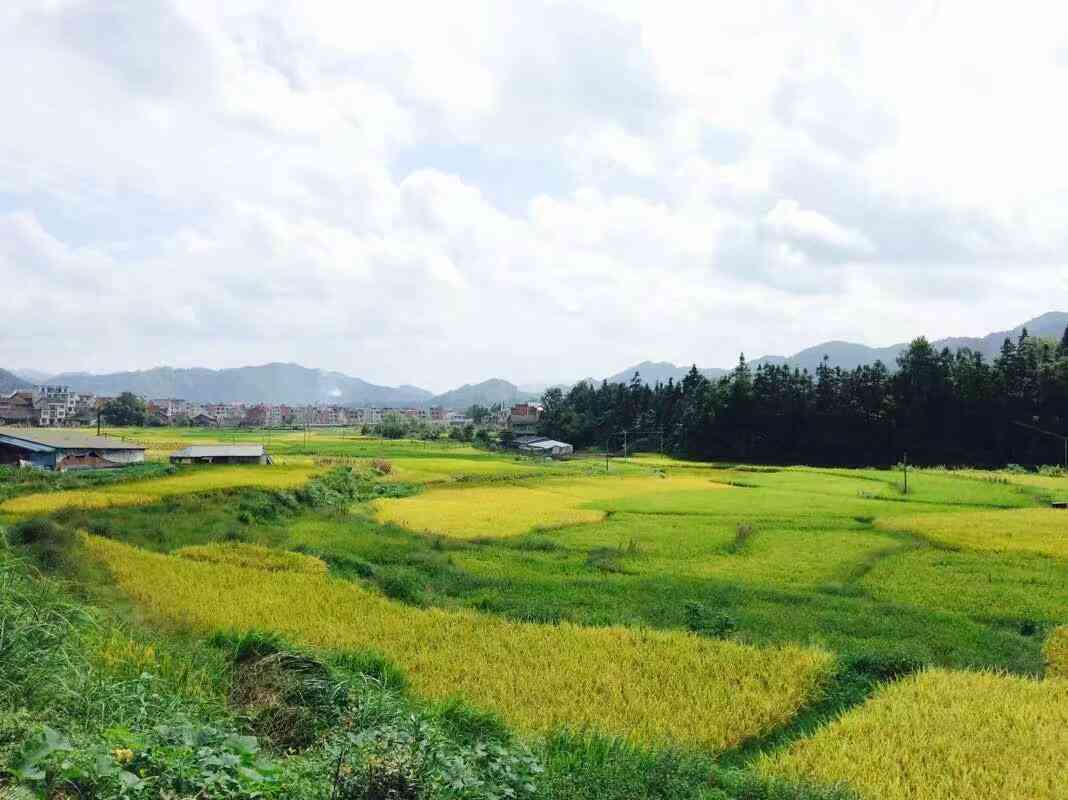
(523, 419)
(54, 404)
(370, 415)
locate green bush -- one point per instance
(707, 622)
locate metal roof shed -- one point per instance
(62, 449)
(221, 454)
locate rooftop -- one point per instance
(58, 438)
(220, 451)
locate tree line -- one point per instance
(939, 407)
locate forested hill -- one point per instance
(849, 355)
(938, 405)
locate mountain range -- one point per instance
(849, 355)
(12, 382)
(295, 384)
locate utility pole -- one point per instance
(98, 422)
(606, 456)
(624, 443)
(1047, 433)
(905, 466)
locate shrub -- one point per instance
(381, 466)
(48, 542)
(289, 698)
(1052, 471)
(403, 586)
(714, 623)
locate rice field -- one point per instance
(187, 481)
(1032, 530)
(643, 685)
(671, 603)
(943, 735)
(252, 556)
(1056, 652)
(502, 511)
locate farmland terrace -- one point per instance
(373, 616)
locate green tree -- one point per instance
(393, 426)
(478, 413)
(125, 410)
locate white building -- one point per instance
(54, 404)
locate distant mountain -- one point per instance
(652, 372)
(269, 383)
(10, 382)
(487, 393)
(849, 355)
(33, 375)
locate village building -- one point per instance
(64, 450)
(17, 409)
(54, 404)
(523, 419)
(543, 446)
(221, 454)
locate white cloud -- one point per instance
(205, 183)
(787, 220)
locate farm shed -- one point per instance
(65, 450)
(545, 447)
(221, 454)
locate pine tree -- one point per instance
(1064, 343)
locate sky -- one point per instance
(440, 193)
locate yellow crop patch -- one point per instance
(201, 479)
(501, 511)
(1056, 652)
(253, 556)
(943, 735)
(648, 686)
(1029, 530)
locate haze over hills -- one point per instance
(294, 384)
(10, 382)
(268, 383)
(849, 355)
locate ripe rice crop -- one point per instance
(500, 511)
(1056, 652)
(1032, 530)
(647, 686)
(253, 556)
(943, 735)
(201, 479)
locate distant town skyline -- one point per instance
(540, 192)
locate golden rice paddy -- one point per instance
(502, 511)
(253, 556)
(648, 686)
(203, 479)
(1029, 530)
(943, 735)
(1056, 652)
